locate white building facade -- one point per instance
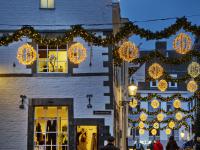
(59, 107)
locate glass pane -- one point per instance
(62, 55)
(51, 139)
(39, 148)
(39, 112)
(62, 139)
(51, 112)
(42, 66)
(50, 3)
(40, 125)
(39, 139)
(63, 112)
(62, 67)
(43, 3)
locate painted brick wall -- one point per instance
(66, 12)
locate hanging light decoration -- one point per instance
(26, 54)
(160, 117)
(143, 117)
(133, 103)
(162, 85)
(179, 116)
(77, 53)
(168, 131)
(182, 43)
(171, 124)
(194, 69)
(155, 71)
(156, 125)
(155, 103)
(141, 131)
(128, 51)
(177, 103)
(192, 86)
(153, 131)
(141, 125)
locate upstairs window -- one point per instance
(52, 60)
(154, 83)
(173, 84)
(47, 4)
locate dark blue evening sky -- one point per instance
(137, 10)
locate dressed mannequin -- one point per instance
(39, 135)
(51, 127)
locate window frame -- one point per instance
(174, 76)
(154, 86)
(47, 8)
(47, 60)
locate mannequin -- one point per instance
(51, 127)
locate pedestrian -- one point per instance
(138, 145)
(172, 145)
(110, 145)
(157, 146)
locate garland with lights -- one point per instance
(145, 111)
(164, 121)
(77, 30)
(168, 98)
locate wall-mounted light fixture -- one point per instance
(23, 97)
(89, 105)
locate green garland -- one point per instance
(168, 98)
(179, 125)
(158, 111)
(124, 32)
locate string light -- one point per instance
(133, 103)
(168, 131)
(155, 71)
(162, 85)
(177, 103)
(141, 125)
(156, 125)
(155, 103)
(143, 117)
(171, 124)
(194, 69)
(160, 117)
(77, 53)
(179, 116)
(182, 43)
(128, 51)
(26, 54)
(192, 86)
(141, 131)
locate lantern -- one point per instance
(160, 117)
(179, 116)
(155, 103)
(177, 103)
(168, 131)
(162, 85)
(141, 131)
(156, 125)
(194, 69)
(171, 124)
(153, 131)
(192, 86)
(133, 103)
(141, 125)
(143, 117)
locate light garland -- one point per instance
(141, 131)
(171, 124)
(160, 117)
(133, 103)
(77, 53)
(128, 51)
(155, 71)
(162, 85)
(192, 86)
(182, 43)
(168, 131)
(26, 54)
(177, 103)
(156, 125)
(179, 116)
(143, 117)
(155, 103)
(194, 69)
(153, 131)
(141, 125)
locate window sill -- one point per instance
(47, 8)
(51, 74)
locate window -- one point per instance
(52, 60)
(47, 4)
(51, 128)
(154, 83)
(173, 84)
(135, 131)
(169, 106)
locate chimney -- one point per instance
(161, 46)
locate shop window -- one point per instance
(47, 4)
(52, 60)
(51, 128)
(87, 138)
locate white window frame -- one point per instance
(47, 6)
(151, 83)
(174, 76)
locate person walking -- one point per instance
(172, 145)
(110, 145)
(157, 146)
(138, 145)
